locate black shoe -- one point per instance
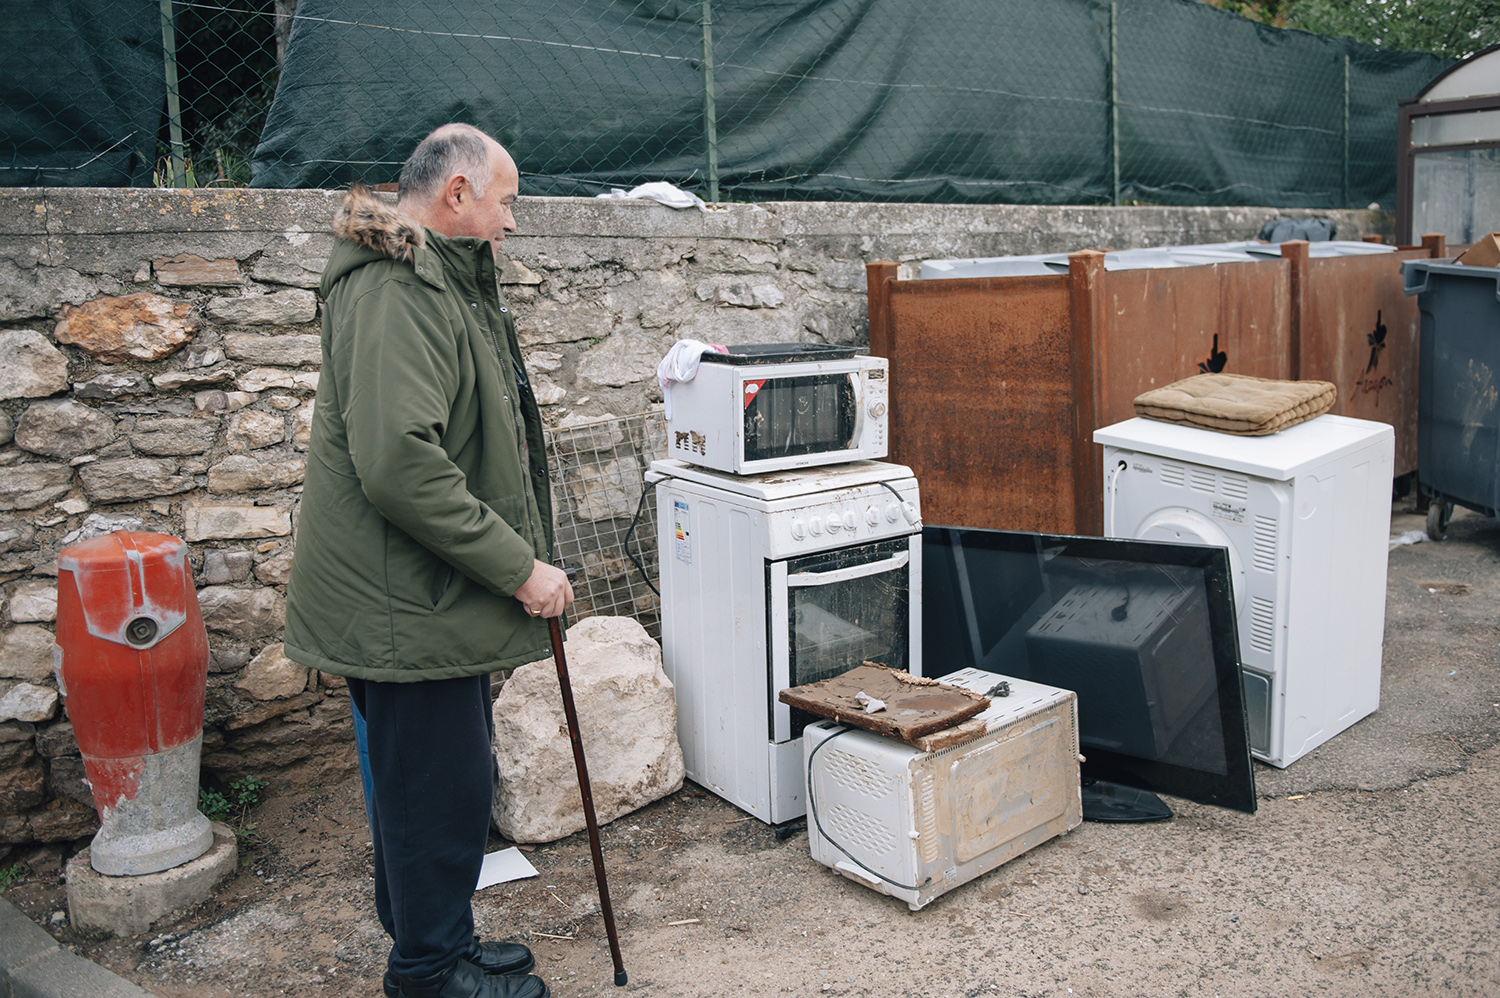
(464, 980)
(491, 958)
(500, 958)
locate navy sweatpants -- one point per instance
(431, 771)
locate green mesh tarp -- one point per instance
(1039, 101)
(81, 92)
(948, 100)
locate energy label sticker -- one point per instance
(682, 532)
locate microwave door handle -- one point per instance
(845, 574)
(859, 406)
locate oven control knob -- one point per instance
(849, 522)
(892, 513)
(815, 526)
(834, 523)
(799, 530)
(872, 516)
(877, 409)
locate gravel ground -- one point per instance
(1371, 868)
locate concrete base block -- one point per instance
(126, 906)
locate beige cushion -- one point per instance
(1234, 403)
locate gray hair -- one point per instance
(448, 151)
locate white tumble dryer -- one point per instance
(1305, 514)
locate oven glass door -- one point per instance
(831, 611)
(793, 416)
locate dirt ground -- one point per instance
(1371, 868)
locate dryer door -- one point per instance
(1188, 526)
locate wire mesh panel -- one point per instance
(123, 92)
(606, 516)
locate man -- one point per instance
(424, 540)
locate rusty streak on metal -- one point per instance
(1086, 305)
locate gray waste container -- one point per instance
(1458, 418)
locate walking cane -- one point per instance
(555, 628)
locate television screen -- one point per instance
(1143, 632)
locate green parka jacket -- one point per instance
(426, 494)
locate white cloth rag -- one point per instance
(681, 364)
(661, 192)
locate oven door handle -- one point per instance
(797, 579)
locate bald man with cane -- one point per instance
(423, 559)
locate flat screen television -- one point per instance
(1143, 632)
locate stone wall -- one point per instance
(158, 363)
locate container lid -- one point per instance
(1275, 456)
(777, 353)
(1326, 248)
(1416, 274)
(996, 266)
(1176, 256)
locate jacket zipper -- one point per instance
(533, 512)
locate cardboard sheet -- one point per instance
(913, 706)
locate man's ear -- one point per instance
(455, 191)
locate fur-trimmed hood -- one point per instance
(375, 224)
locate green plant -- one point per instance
(10, 874)
(214, 805)
(229, 166)
(233, 806)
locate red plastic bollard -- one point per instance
(132, 664)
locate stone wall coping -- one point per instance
(171, 215)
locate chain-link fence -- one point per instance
(1066, 101)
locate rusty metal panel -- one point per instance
(982, 400)
(1163, 325)
(1361, 332)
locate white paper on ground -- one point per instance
(504, 866)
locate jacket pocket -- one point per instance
(415, 578)
(442, 581)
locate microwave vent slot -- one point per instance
(862, 776)
(855, 829)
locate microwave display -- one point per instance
(792, 416)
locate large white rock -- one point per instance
(628, 721)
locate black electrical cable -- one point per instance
(904, 502)
(631, 554)
(812, 809)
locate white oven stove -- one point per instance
(772, 581)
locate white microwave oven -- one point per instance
(774, 406)
(916, 824)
